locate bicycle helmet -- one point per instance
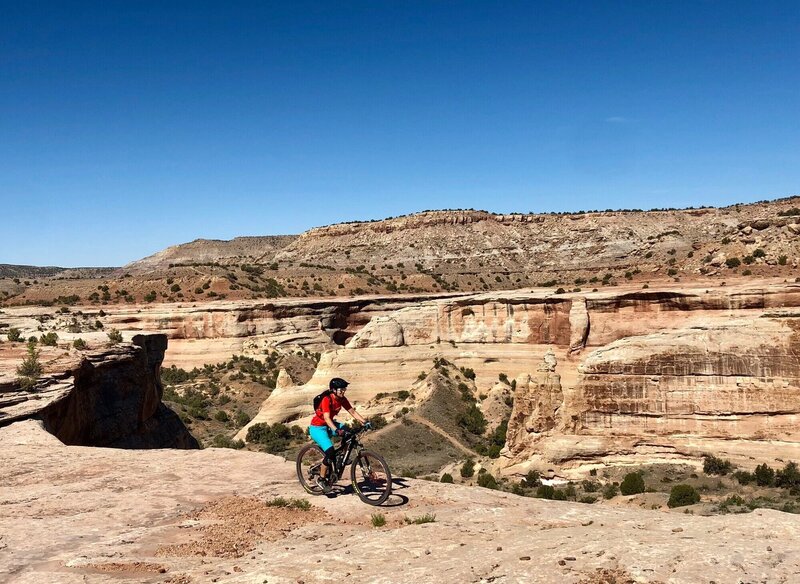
(337, 383)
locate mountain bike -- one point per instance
(369, 473)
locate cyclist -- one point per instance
(323, 425)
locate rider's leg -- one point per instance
(327, 464)
(321, 435)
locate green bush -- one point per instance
(487, 481)
(473, 421)
(242, 419)
(532, 479)
(30, 369)
(764, 475)
(446, 478)
(273, 439)
(590, 486)
(682, 495)
(743, 477)
(427, 518)
(546, 492)
(610, 491)
(782, 260)
(733, 262)
(632, 484)
(14, 335)
(716, 466)
(49, 339)
(79, 344)
(377, 421)
(175, 288)
(759, 253)
(293, 503)
(221, 416)
(468, 468)
(222, 441)
(788, 477)
(378, 520)
(114, 336)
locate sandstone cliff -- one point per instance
(110, 397)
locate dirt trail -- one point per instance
(442, 433)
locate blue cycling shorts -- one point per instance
(322, 435)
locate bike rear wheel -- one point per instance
(371, 478)
(309, 461)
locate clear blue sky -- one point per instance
(126, 127)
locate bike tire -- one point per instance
(309, 457)
(375, 485)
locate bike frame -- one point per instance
(343, 453)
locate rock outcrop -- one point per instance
(110, 397)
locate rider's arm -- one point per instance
(356, 415)
(327, 417)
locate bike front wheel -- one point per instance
(371, 478)
(309, 461)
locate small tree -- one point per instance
(14, 335)
(716, 466)
(468, 468)
(764, 475)
(632, 484)
(487, 481)
(682, 495)
(446, 478)
(114, 336)
(79, 344)
(31, 369)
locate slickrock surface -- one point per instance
(76, 514)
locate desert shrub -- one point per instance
(114, 336)
(150, 296)
(175, 288)
(632, 484)
(293, 503)
(546, 492)
(733, 262)
(532, 479)
(378, 520)
(468, 468)
(782, 260)
(427, 518)
(468, 372)
(79, 344)
(716, 466)
(748, 259)
(273, 439)
(446, 478)
(743, 477)
(30, 369)
(403, 395)
(764, 475)
(672, 272)
(570, 491)
(503, 378)
(14, 335)
(682, 495)
(49, 339)
(588, 499)
(726, 240)
(759, 253)
(221, 416)
(377, 421)
(487, 481)
(222, 441)
(590, 486)
(610, 491)
(241, 419)
(788, 477)
(560, 291)
(473, 421)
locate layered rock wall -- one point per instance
(109, 398)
